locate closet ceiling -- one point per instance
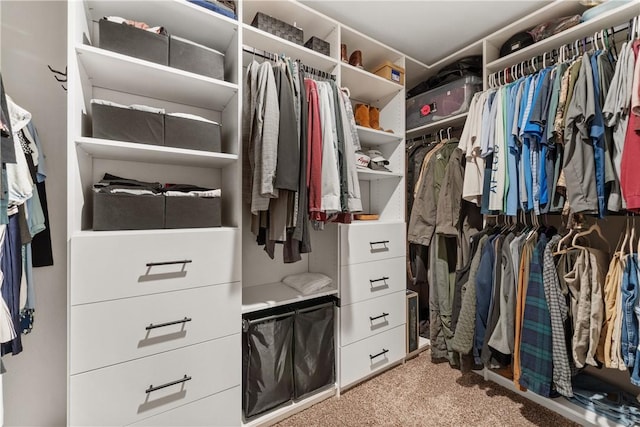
(426, 30)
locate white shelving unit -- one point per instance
(374, 175)
(277, 294)
(376, 137)
(454, 121)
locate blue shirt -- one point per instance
(596, 133)
(513, 153)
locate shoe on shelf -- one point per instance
(361, 114)
(343, 53)
(356, 59)
(374, 118)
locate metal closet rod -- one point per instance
(274, 57)
(554, 53)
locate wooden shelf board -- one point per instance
(131, 151)
(262, 40)
(260, 297)
(111, 70)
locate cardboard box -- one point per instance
(390, 71)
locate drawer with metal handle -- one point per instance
(112, 332)
(370, 355)
(126, 264)
(130, 392)
(371, 242)
(360, 282)
(367, 318)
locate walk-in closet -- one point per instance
(331, 213)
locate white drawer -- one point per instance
(115, 265)
(117, 395)
(360, 282)
(372, 242)
(367, 318)
(110, 332)
(222, 409)
(368, 356)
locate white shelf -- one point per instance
(435, 126)
(373, 175)
(260, 297)
(131, 151)
(374, 53)
(423, 343)
(290, 409)
(559, 405)
(369, 136)
(608, 19)
(264, 41)
(366, 87)
(179, 17)
(123, 73)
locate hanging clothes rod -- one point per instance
(274, 57)
(576, 47)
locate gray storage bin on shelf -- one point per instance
(441, 102)
(278, 28)
(126, 124)
(267, 375)
(127, 212)
(129, 40)
(318, 45)
(313, 349)
(196, 58)
(181, 132)
(192, 212)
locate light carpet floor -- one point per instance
(420, 393)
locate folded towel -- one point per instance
(307, 283)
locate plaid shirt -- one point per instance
(559, 313)
(536, 359)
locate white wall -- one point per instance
(34, 35)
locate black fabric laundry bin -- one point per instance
(196, 58)
(192, 212)
(127, 211)
(313, 349)
(267, 375)
(126, 124)
(129, 40)
(192, 134)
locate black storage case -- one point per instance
(318, 45)
(278, 28)
(127, 212)
(126, 124)
(129, 40)
(313, 349)
(192, 212)
(193, 57)
(181, 132)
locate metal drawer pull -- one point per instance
(382, 279)
(381, 242)
(383, 352)
(151, 388)
(378, 317)
(162, 325)
(154, 264)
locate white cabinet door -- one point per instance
(367, 318)
(365, 357)
(372, 242)
(126, 264)
(360, 282)
(129, 392)
(116, 331)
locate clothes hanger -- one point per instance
(449, 129)
(595, 227)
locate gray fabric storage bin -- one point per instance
(132, 41)
(192, 212)
(189, 56)
(313, 349)
(267, 374)
(127, 212)
(125, 124)
(278, 28)
(192, 134)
